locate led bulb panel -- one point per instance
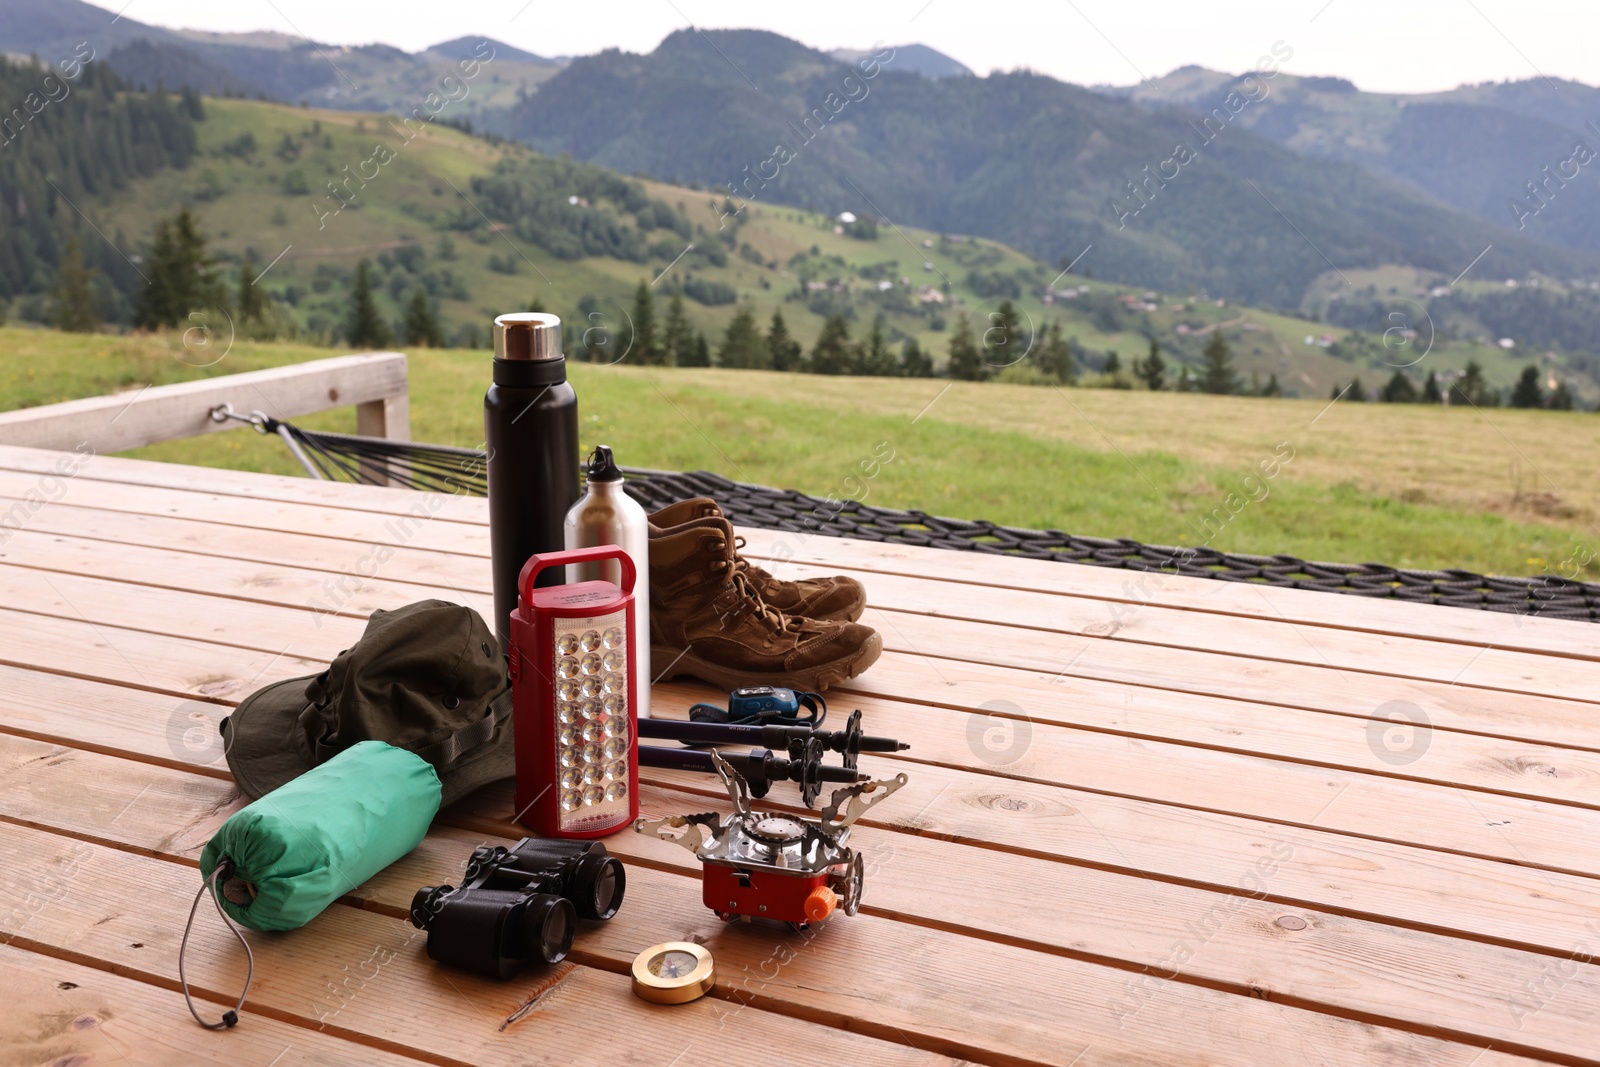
(592, 720)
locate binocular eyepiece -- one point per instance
(519, 905)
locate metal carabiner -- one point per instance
(257, 418)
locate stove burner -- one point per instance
(775, 829)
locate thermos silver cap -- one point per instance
(527, 335)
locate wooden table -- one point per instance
(1148, 821)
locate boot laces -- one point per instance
(756, 574)
(746, 596)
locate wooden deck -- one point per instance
(1147, 823)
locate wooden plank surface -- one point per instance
(1088, 914)
(1483, 824)
(1471, 898)
(63, 1013)
(1319, 687)
(1197, 838)
(1132, 590)
(170, 802)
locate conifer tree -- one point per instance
(250, 303)
(1398, 390)
(1003, 342)
(1218, 377)
(873, 357)
(743, 346)
(831, 354)
(914, 362)
(421, 324)
(702, 352)
(1561, 398)
(783, 351)
(646, 348)
(364, 328)
(75, 309)
(1471, 389)
(1526, 393)
(179, 273)
(965, 362)
(1055, 355)
(1430, 390)
(1152, 370)
(677, 336)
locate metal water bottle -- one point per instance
(607, 515)
(530, 429)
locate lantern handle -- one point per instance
(540, 560)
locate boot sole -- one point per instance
(812, 679)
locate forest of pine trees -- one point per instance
(94, 140)
(1044, 356)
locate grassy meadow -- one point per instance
(1507, 492)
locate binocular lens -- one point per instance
(597, 885)
(550, 924)
(425, 904)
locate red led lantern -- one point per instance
(573, 694)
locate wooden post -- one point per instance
(390, 418)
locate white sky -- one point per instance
(1392, 45)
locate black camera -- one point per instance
(519, 904)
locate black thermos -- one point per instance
(530, 429)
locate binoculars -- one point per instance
(518, 905)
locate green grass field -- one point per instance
(1503, 492)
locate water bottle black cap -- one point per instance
(602, 467)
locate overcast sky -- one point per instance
(1392, 45)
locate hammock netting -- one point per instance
(441, 468)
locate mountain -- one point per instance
(52, 31)
(1021, 158)
(1302, 178)
(916, 58)
(1474, 148)
(481, 227)
(146, 64)
(471, 48)
(281, 66)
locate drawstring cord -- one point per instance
(229, 1018)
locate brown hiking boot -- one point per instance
(828, 599)
(708, 619)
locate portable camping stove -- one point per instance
(772, 865)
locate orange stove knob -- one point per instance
(820, 903)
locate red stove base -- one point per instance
(734, 892)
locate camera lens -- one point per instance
(549, 926)
(597, 885)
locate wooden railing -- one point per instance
(375, 382)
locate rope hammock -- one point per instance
(446, 469)
(344, 457)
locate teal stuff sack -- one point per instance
(311, 841)
(278, 863)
